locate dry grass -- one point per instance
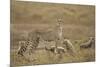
(44, 57)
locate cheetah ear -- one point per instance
(45, 47)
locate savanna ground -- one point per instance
(78, 26)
